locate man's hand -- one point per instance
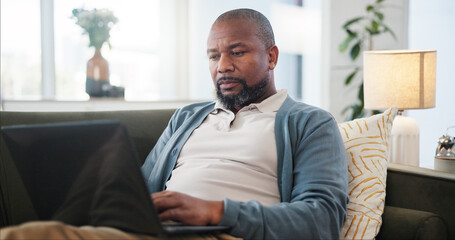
(186, 209)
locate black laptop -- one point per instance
(85, 173)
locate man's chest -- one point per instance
(247, 138)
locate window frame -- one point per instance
(48, 83)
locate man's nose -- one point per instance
(225, 64)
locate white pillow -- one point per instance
(367, 147)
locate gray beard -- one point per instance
(245, 97)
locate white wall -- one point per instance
(431, 26)
(396, 17)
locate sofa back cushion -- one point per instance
(144, 126)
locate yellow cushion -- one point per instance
(367, 147)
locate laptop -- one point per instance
(87, 173)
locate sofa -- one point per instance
(420, 203)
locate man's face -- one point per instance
(239, 63)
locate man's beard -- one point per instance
(245, 97)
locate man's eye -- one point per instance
(238, 53)
(213, 57)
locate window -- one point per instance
(20, 49)
(133, 60)
(158, 48)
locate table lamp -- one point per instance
(405, 79)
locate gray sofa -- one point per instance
(420, 204)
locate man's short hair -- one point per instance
(264, 28)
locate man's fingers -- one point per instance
(166, 215)
(163, 194)
(178, 215)
(163, 203)
(169, 214)
(184, 208)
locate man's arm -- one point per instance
(152, 158)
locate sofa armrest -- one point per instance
(424, 190)
(403, 223)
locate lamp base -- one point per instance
(404, 148)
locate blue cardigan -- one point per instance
(312, 174)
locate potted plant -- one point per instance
(359, 35)
(97, 24)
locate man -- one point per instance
(253, 144)
(256, 160)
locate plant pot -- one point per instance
(97, 82)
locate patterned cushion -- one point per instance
(367, 147)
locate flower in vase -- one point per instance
(96, 23)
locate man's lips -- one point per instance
(227, 83)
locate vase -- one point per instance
(98, 67)
(97, 83)
(97, 75)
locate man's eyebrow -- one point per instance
(236, 45)
(239, 44)
(211, 50)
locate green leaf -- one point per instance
(379, 1)
(370, 8)
(375, 26)
(355, 50)
(351, 33)
(354, 20)
(344, 45)
(360, 93)
(372, 31)
(387, 29)
(351, 76)
(379, 15)
(358, 112)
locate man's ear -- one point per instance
(272, 56)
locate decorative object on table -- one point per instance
(444, 159)
(359, 35)
(405, 79)
(97, 23)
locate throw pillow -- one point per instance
(367, 147)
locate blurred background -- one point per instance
(158, 53)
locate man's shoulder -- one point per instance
(300, 110)
(304, 119)
(197, 106)
(194, 108)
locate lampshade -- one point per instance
(402, 78)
